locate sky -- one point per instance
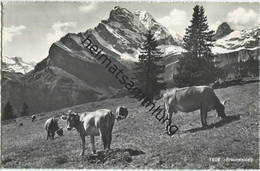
(29, 28)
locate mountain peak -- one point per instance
(119, 14)
(223, 30)
(143, 15)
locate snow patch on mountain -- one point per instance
(129, 57)
(145, 18)
(172, 49)
(16, 64)
(237, 40)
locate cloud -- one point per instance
(242, 17)
(10, 32)
(176, 21)
(59, 29)
(214, 26)
(88, 8)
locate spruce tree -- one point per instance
(198, 38)
(197, 66)
(150, 67)
(8, 112)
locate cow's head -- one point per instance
(121, 113)
(221, 109)
(71, 118)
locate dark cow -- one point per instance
(97, 123)
(51, 126)
(33, 118)
(189, 99)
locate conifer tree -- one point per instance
(8, 112)
(197, 66)
(198, 38)
(150, 67)
(24, 111)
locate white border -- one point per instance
(233, 1)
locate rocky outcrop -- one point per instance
(223, 30)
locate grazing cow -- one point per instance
(33, 118)
(51, 126)
(189, 99)
(97, 123)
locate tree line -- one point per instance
(8, 112)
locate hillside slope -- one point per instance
(140, 141)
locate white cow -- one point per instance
(97, 123)
(189, 99)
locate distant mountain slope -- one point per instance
(16, 64)
(237, 46)
(237, 40)
(229, 48)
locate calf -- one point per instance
(51, 126)
(97, 123)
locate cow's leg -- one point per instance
(109, 136)
(48, 133)
(83, 145)
(109, 140)
(169, 119)
(52, 134)
(104, 139)
(104, 136)
(203, 116)
(92, 139)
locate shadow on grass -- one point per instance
(234, 82)
(222, 122)
(113, 156)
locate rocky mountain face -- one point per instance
(71, 75)
(223, 30)
(237, 46)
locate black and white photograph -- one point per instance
(130, 85)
